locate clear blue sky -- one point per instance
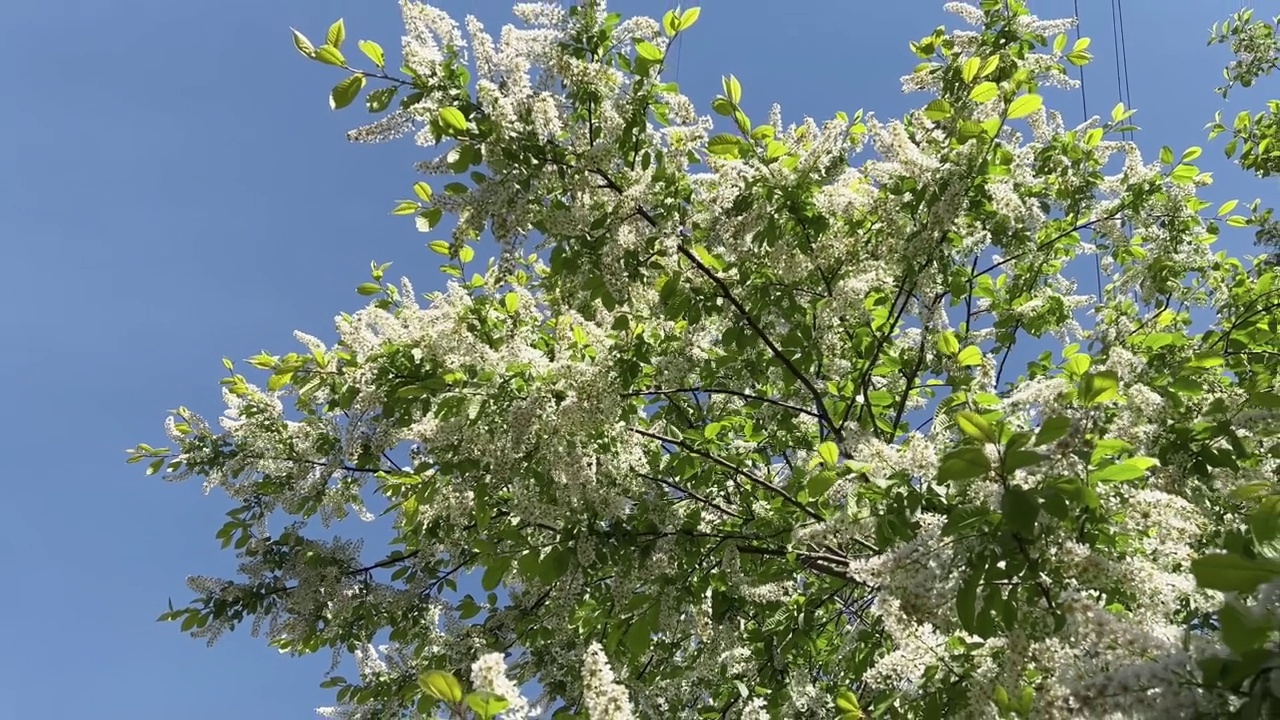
(174, 188)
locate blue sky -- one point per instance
(174, 188)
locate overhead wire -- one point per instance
(1084, 109)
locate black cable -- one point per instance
(1084, 102)
(1084, 107)
(1124, 55)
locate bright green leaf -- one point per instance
(1025, 105)
(330, 55)
(486, 705)
(976, 427)
(441, 686)
(453, 119)
(969, 357)
(304, 45)
(984, 92)
(345, 92)
(337, 34)
(732, 89)
(373, 51)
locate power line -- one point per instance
(1124, 58)
(1084, 101)
(1084, 108)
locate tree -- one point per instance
(734, 425)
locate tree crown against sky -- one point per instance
(742, 420)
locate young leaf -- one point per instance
(345, 92)
(378, 100)
(486, 705)
(453, 119)
(373, 51)
(304, 45)
(984, 92)
(330, 55)
(732, 89)
(441, 686)
(689, 17)
(969, 357)
(1025, 105)
(976, 427)
(337, 34)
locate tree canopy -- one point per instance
(754, 418)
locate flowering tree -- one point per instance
(734, 426)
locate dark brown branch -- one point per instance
(726, 391)
(754, 479)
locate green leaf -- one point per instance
(1238, 629)
(648, 51)
(453, 119)
(442, 247)
(689, 17)
(1265, 399)
(967, 598)
(1018, 459)
(963, 463)
(1024, 106)
(486, 705)
(732, 89)
(378, 100)
(1233, 573)
(304, 45)
(976, 427)
(829, 452)
(819, 483)
(847, 703)
(724, 145)
(1052, 429)
(1021, 510)
(373, 51)
(948, 345)
(428, 219)
(368, 288)
(969, 357)
(422, 190)
(406, 207)
(1264, 527)
(345, 92)
(511, 301)
(1166, 155)
(330, 55)
(1191, 154)
(670, 23)
(494, 573)
(1079, 58)
(337, 34)
(441, 686)
(1078, 364)
(1100, 387)
(984, 92)
(1184, 174)
(937, 109)
(1118, 472)
(970, 69)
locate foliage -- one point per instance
(738, 426)
(1255, 136)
